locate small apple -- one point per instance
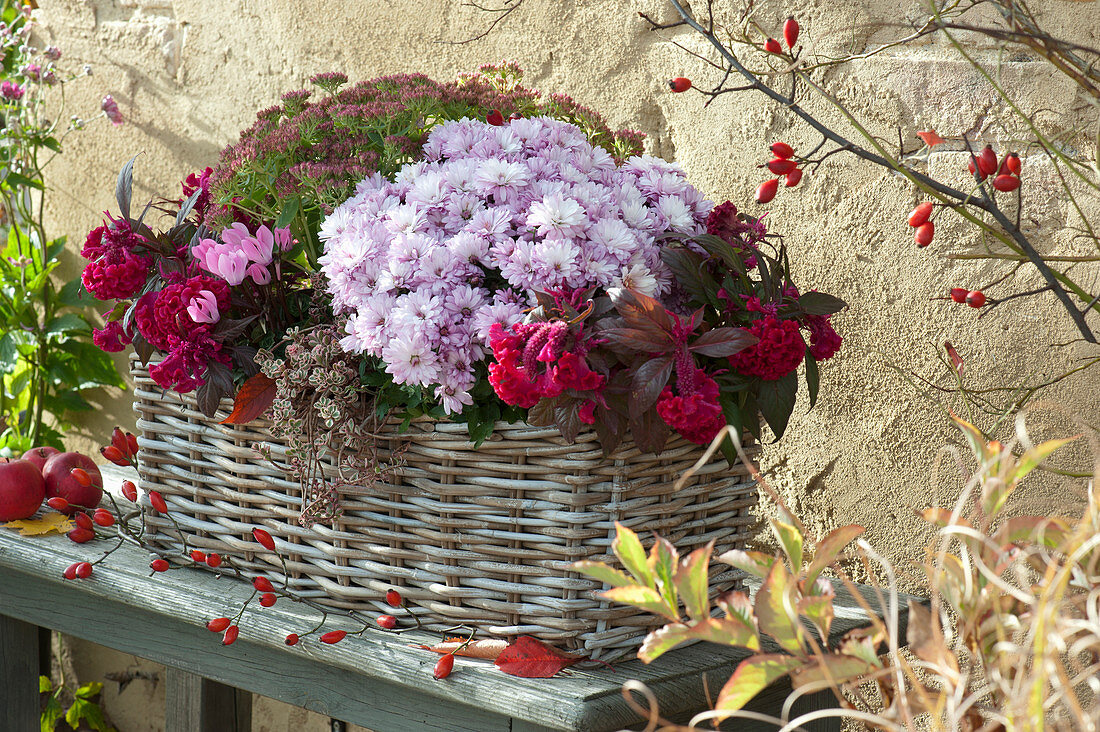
(60, 482)
(21, 490)
(39, 455)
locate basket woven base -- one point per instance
(483, 538)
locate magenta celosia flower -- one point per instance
(195, 182)
(112, 337)
(695, 412)
(114, 269)
(779, 351)
(824, 340)
(744, 236)
(162, 317)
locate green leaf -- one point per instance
(732, 630)
(602, 572)
(44, 684)
(9, 354)
(752, 676)
(73, 295)
(776, 400)
(51, 714)
(645, 598)
(692, 580)
(288, 213)
(663, 639)
(1032, 458)
(829, 548)
(813, 377)
(791, 540)
(67, 323)
(629, 550)
(662, 562)
(13, 180)
(820, 303)
(776, 612)
(757, 564)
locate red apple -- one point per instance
(21, 490)
(60, 482)
(39, 455)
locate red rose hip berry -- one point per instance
(444, 666)
(333, 636)
(230, 635)
(388, 622)
(103, 517)
(920, 214)
(156, 500)
(217, 625)
(782, 150)
(292, 639)
(159, 565)
(1006, 183)
(394, 599)
(772, 46)
(130, 491)
(264, 539)
(781, 166)
(83, 570)
(679, 84)
(263, 584)
(767, 190)
(268, 599)
(924, 234)
(790, 32)
(958, 294)
(793, 178)
(975, 298)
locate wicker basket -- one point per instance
(479, 537)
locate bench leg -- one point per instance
(195, 704)
(19, 674)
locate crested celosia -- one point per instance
(778, 352)
(114, 269)
(425, 266)
(694, 412)
(164, 318)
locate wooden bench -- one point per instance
(376, 680)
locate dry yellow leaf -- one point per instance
(51, 523)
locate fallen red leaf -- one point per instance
(532, 659)
(931, 138)
(252, 400)
(488, 648)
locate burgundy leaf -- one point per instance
(255, 396)
(649, 379)
(635, 339)
(722, 342)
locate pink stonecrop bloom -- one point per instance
(204, 308)
(531, 202)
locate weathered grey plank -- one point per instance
(18, 674)
(375, 680)
(195, 704)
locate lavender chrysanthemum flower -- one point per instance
(424, 265)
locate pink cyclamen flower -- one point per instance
(11, 90)
(204, 308)
(110, 108)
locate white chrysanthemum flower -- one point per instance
(557, 217)
(637, 278)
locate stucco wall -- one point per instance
(188, 75)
